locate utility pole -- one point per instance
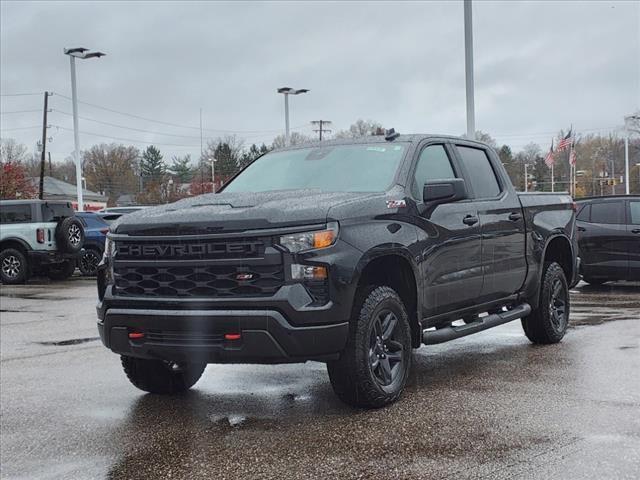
(50, 169)
(526, 180)
(320, 129)
(468, 68)
(44, 143)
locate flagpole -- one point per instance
(552, 182)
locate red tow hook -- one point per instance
(232, 336)
(136, 335)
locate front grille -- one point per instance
(198, 281)
(190, 249)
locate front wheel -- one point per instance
(549, 321)
(159, 376)
(373, 369)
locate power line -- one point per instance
(19, 128)
(19, 111)
(19, 94)
(169, 123)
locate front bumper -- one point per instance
(198, 336)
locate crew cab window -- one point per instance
(15, 214)
(634, 207)
(433, 164)
(607, 212)
(481, 175)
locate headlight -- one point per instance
(109, 249)
(299, 242)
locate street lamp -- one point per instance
(286, 91)
(73, 54)
(213, 174)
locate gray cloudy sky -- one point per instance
(540, 66)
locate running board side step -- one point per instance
(431, 337)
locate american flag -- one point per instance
(565, 142)
(549, 160)
(572, 155)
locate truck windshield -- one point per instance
(334, 168)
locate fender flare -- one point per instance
(17, 240)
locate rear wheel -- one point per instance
(159, 376)
(549, 321)
(373, 369)
(61, 271)
(69, 235)
(88, 263)
(13, 266)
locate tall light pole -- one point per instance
(286, 91)
(468, 68)
(73, 54)
(627, 127)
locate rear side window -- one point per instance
(483, 178)
(15, 214)
(433, 164)
(607, 212)
(55, 211)
(635, 212)
(583, 216)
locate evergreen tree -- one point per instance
(181, 168)
(151, 165)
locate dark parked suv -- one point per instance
(609, 238)
(348, 252)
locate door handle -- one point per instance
(582, 229)
(635, 230)
(515, 216)
(470, 220)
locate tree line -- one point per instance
(115, 169)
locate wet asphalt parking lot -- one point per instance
(486, 406)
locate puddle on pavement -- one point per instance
(73, 341)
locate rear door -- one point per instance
(603, 239)
(633, 234)
(502, 224)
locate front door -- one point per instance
(448, 238)
(603, 240)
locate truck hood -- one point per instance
(226, 212)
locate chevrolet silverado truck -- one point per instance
(348, 252)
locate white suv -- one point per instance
(38, 236)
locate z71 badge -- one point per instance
(396, 203)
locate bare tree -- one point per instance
(11, 151)
(112, 169)
(362, 128)
(296, 138)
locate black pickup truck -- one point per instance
(348, 252)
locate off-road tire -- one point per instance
(14, 268)
(88, 262)
(69, 235)
(352, 376)
(158, 376)
(61, 271)
(541, 326)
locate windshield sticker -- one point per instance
(377, 149)
(396, 203)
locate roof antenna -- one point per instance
(390, 135)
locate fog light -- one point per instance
(308, 272)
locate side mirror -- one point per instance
(444, 191)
